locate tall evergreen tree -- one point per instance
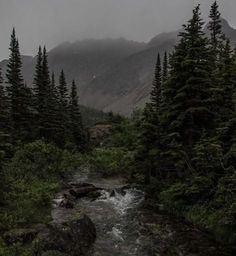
(150, 137)
(76, 125)
(217, 41)
(165, 68)
(156, 89)
(63, 109)
(187, 112)
(227, 106)
(38, 84)
(50, 100)
(55, 111)
(47, 101)
(54, 88)
(63, 91)
(4, 117)
(215, 28)
(226, 102)
(147, 152)
(16, 92)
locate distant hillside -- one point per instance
(112, 74)
(126, 85)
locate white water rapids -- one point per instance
(126, 228)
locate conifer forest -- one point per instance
(76, 179)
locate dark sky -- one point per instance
(52, 22)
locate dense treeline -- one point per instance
(42, 138)
(44, 110)
(182, 145)
(188, 128)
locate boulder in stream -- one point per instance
(82, 191)
(72, 237)
(67, 203)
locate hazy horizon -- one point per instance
(52, 22)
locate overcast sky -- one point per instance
(52, 22)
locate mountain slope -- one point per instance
(126, 85)
(112, 74)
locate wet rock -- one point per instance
(93, 195)
(113, 193)
(72, 237)
(79, 192)
(20, 235)
(121, 191)
(79, 185)
(67, 203)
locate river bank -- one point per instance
(126, 226)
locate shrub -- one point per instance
(109, 161)
(33, 176)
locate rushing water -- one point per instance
(124, 227)
(114, 217)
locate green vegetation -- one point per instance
(181, 147)
(42, 138)
(116, 154)
(29, 183)
(31, 179)
(186, 150)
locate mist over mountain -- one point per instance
(111, 74)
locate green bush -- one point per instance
(15, 250)
(205, 204)
(32, 177)
(178, 197)
(109, 161)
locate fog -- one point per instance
(52, 22)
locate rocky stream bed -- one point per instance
(127, 225)
(105, 217)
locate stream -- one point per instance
(125, 227)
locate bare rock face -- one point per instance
(72, 237)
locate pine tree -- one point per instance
(157, 83)
(43, 96)
(150, 137)
(30, 113)
(4, 117)
(226, 108)
(55, 112)
(54, 88)
(226, 98)
(63, 109)
(147, 152)
(76, 124)
(217, 42)
(38, 84)
(215, 28)
(187, 111)
(16, 92)
(48, 113)
(165, 68)
(63, 91)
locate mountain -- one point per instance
(112, 74)
(228, 30)
(127, 84)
